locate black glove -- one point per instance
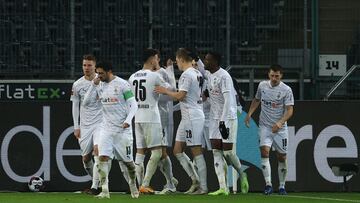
(223, 130)
(206, 93)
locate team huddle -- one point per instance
(104, 106)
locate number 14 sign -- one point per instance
(332, 65)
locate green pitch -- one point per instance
(179, 198)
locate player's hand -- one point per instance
(223, 130)
(77, 133)
(96, 80)
(247, 121)
(160, 89)
(276, 127)
(125, 125)
(169, 62)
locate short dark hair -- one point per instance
(106, 65)
(147, 53)
(89, 57)
(216, 56)
(187, 54)
(276, 68)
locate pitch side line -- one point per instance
(321, 198)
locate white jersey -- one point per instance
(91, 113)
(273, 102)
(220, 82)
(163, 104)
(143, 83)
(191, 106)
(113, 96)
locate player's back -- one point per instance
(143, 83)
(191, 81)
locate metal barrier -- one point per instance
(338, 83)
(253, 74)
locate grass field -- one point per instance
(179, 198)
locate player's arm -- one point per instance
(289, 110)
(75, 98)
(92, 92)
(177, 96)
(164, 97)
(76, 115)
(133, 107)
(254, 105)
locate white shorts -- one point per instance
(86, 141)
(165, 132)
(118, 144)
(278, 140)
(149, 135)
(191, 132)
(206, 144)
(214, 132)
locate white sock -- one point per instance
(95, 178)
(187, 165)
(88, 166)
(282, 172)
(201, 170)
(152, 166)
(124, 170)
(130, 168)
(232, 159)
(220, 167)
(139, 167)
(104, 169)
(165, 167)
(266, 169)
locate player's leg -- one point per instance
(105, 148)
(281, 144)
(165, 167)
(194, 141)
(140, 153)
(95, 186)
(123, 151)
(124, 170)
(184, 160)
(153, 138)
(219, 162)
(86, 146)
(220, 167)
(230, 155)
(266, 141)
(151, 167)
(165, 164)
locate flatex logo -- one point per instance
(32, 92)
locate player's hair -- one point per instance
(106, 65)
(216, 56)
(276, 68)
(147, 53)
(186, 54)
(89, 57)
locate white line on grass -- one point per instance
(321, 198)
